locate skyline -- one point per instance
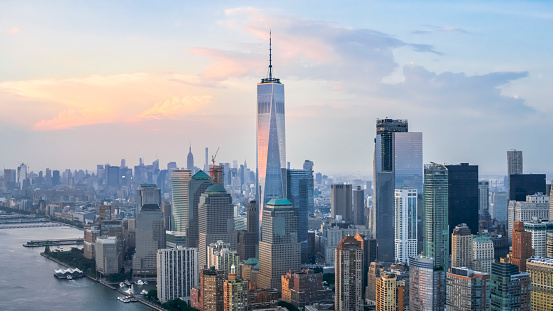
(74, 74)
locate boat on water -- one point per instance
(124, 299)
(69, 277)
(140, 282)
(127, 283)
(121, 284)
(143, 292)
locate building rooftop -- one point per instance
(215, 188)
(201, 175)
(278, 202)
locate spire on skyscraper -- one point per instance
(270, 78)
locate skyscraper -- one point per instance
(388, 290)
(298, 184)
(190, 160)
(397, 164)
(271, 140)
(435, 218)
(247, 240)
(461, 246)
(463, 196)
(279, 250)
(180, 180)
(522, 246)
(196, 187)
(340, 202)
(216, 220)
(358, 201)
(514, 162)
(536, 206)
(467, 290)
(405, 224)
(521, 185)
(483, 254)
(349, 274)
(426, 284)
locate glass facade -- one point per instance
(435, 228)
(463, 196)
(271, 142)
(405, 224)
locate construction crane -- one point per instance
(213, 156)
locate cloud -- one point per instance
(444, 29)
(14, 30)
(71, 102)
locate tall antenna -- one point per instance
(270, 56)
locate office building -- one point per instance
(483, 254)
(539, 230)
(425, 285)
(196, 187)
(499, 203)
(522, 185)
(149, 237)
(177, 273)
(463, 196)
(467, 290)
(535, 207)
(461, 246)
(397, 164)
(190, 160)
(541, 273)
(375, 268)
(510, 288)
(349, 274)
(522, 246)
(212, 292)
(358, 201)
(148, 195)
(514, 162)
(271, 139)
(484, 200)
(341, 202)
(247, 240)
(220, 256)
(109, 255)
(405, 219)
(333, 234)
(216, 220)
(279, 250)
(180, 180)
(299, 183)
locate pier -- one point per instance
(41, 243)
(31, 225)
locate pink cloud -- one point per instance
(175, 106)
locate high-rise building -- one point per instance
(279, 250)
(358, 201)
(499, 202)
(405, 224)
(247, 240)
(461, 246)
(484, 200)
(510, 289)
(197, 185)
(514, 162)
(483, 254)
(541, 273)
(522, 185)
(180, 180)
(349, 274)
(177, 273)
(298, 184)
(212, 292)
(539, 230)
(109, 255)
(271, 140)
(149, 236)
(148, 195)
(535, 207)
(388, 290)
(220, 256)
(463, 196)
(425, 284)
(114, 175)
(190, 160)
(435, 214)
(308, 166)
(397, 164)
(340, 202)
(235, 293)
(216, 220)
(467, 290)
(522, 246)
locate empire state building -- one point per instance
(271, 141)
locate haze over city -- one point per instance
(85, 83)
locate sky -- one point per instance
(92, 82)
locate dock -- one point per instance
(42, 243)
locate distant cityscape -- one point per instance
(264, 236)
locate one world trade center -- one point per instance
(271, 141)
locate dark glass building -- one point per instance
(521, 185)
(463, 196)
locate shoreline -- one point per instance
(141, 300)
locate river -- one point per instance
(27, 279)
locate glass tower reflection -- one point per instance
(271, 141)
